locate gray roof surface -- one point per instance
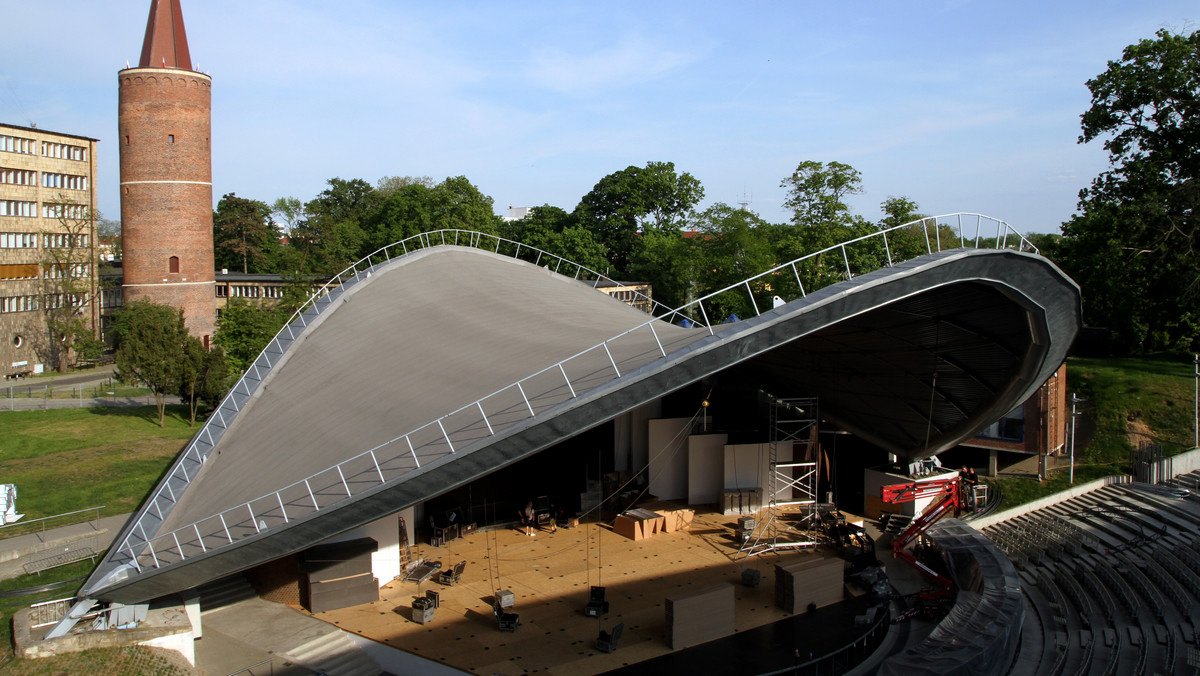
(430, 333)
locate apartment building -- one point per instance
(47, 242)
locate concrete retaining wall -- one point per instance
(1076, 491)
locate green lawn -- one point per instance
(71, 459)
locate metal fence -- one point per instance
(439, 439)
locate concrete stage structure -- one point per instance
(449, 356)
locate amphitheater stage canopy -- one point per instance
(422, 372)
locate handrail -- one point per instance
(173, 549)
(56, 516)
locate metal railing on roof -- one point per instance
(453, 432)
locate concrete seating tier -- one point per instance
(1111, 579)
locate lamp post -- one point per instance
(1074, 401)
(1196, 415)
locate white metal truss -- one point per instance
(791, 483)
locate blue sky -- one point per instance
(958, 105)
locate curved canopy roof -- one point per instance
(432, 369)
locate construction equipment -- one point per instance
(948, 495)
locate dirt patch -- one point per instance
(1137, 432)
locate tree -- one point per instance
(637, 200)
(1137, 232)
(817, 192)
(150, 341)
(243, 329)
(244, 236)
(202, 375)
(915, 240)
(733, 247)
(68, 282)
(390, 184)
(668, 261)
(287, 211)
(331, 234)
(554, 230)
(413, 206)
(822, 219)
(898, 211)
(108, 233)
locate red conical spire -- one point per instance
(166, 42)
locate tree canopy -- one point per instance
(637, 200)
(244, 236)
(150, 340)
(1137, 232)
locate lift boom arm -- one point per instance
(951, 498)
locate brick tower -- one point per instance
(164, 119)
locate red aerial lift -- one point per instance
(949, 496)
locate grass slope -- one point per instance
(1155, 391)
(1153, 394)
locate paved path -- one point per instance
(15, 552)
(39, 404)
(27, 394)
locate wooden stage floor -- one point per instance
(550, 576)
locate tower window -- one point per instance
(173, 264)
(170, 138)
(127, 139)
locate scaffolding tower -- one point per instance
(791, 483)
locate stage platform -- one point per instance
(550, 576)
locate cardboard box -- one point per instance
(639, 524)
(675, 517)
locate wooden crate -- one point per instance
(809, 579)
(699, 616)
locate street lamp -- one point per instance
(1196, 415)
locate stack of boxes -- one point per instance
(745, 528)
(699, 616)
(741, 500)
(811, 579)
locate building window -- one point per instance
(18, 208)
(10, 304)
(170, 138)
(65, 181)
(243, 291)
(173, 264)
(60, 271)
(127, 139)
(59, 210)
(62, 151)
(18, 271)
(55, 301)
(18, 240)
(222, 291)
(111, 297)
(1009, 428)
(16, 144)
(18, 340)
(272, 292)
(17, 176)
(60, 240)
